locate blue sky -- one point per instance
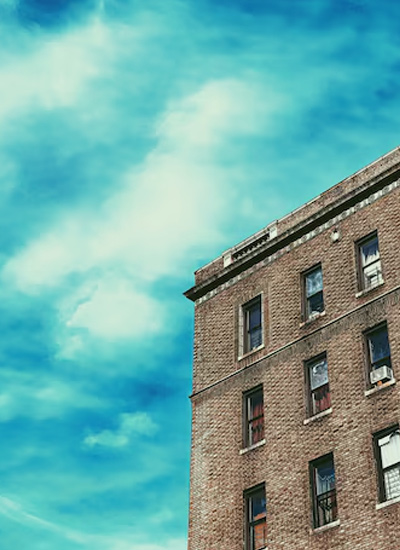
(139, 140)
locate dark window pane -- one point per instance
(256, 405)
(258, 506)
(252, 334)
(255, 418)
(379, 345)
(255, 338)
(255, 316)
(315, 304)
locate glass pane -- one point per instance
(318, 374)
(255, 338)
(255, 411)
(392, 483)
(325, 477)
(372, 274)
(255, 316)
(390, 449)
(379, 345)
(369, 251)
(258, 506)
(315, 304)
(321, 399)
(260, 535)
(256, 431)
(314, 282)
(326, 508)
(256, 406)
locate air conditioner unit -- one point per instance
(383, 374)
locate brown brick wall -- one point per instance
(216, 336)
(385, 164)
(220, 474)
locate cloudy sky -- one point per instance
(139, 139)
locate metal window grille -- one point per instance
(323, 487)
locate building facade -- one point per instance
(296, 408)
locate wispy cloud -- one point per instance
(138, 142)
(129, 425)
(16, 513)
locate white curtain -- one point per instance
(390, 449)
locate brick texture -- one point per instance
(220, 473)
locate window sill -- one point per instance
(387, 503)
(379, 388)
(326, 527)
(317, 416)
(248, 353)
(369, 289)
(312, 318)
(255, 446)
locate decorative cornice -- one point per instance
(325, 218)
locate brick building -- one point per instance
(296, 409)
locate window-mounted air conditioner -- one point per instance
(383, 374)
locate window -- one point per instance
(369, 262)
(319, 397)
(256, 518)
(253, 407)
(378, 348)
(387, 453)
(313, 292)
(251, 326)
(323, 489)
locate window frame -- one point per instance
(309, 316)
(247, 396)
(368, 353)
(362, 286)
(311, 392)
(380, 471)
(313, 468)
(248, 495)
(244, 331)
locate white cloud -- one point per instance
(174, 201)
(221, 108)
(55, 73)
(168, 207)
(130, 424)
(29, 394)
(15, 512)
(116, 310)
